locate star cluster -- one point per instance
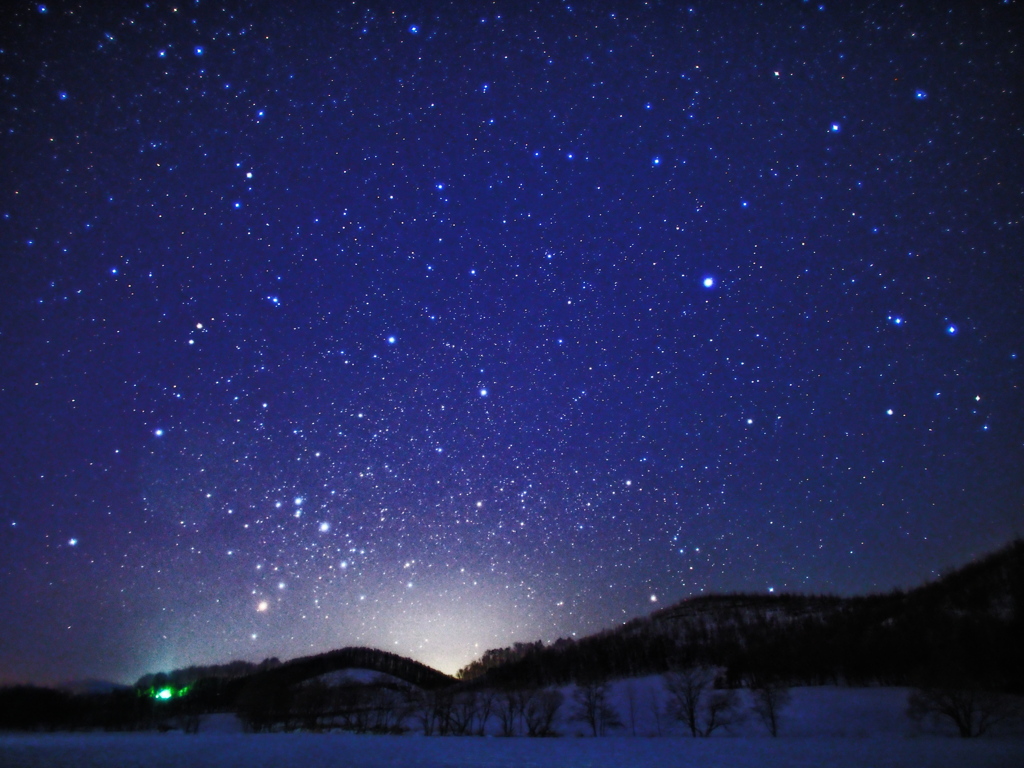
(437, 329)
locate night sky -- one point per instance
(435, 330)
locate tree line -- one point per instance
(956, 641)
(965, 629)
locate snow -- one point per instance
(837, 727)
(813, 711)
(307, 750)
(354, 675)
(820, 711)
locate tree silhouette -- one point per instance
(770, 697)
(974, 712)
(594, 709)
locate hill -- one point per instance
(968, 624)
(308, 667)
(963, 631)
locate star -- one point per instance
(640, 235)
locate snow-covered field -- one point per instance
(835, 727)
(304, 750)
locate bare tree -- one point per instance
(720, 711)
(693, 701)
(770, 697)
(593, 708)
(443, 701)
(425, 712)
(348, 702)
(685, 690)
(387, 707)
(654, 704)
(523, 698)
(485, 705)
(506, 707)
(631, 705)
(189, 721)
(463, 712)
(540, 712)
(973, 712)
(311, 703)
(264, 703)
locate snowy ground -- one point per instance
(303, 750)
(835, 727)
(818, 711)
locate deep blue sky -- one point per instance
(437, 330)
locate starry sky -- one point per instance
(329, 324)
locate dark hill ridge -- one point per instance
(307, 667)
(963, 631)
(181, 678)
(90, 686)
(969, 625)
(240, 673)
(992, 586)
(970, 621)
(272, 680)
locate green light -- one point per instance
(166, 693)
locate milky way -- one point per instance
(434, 330)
